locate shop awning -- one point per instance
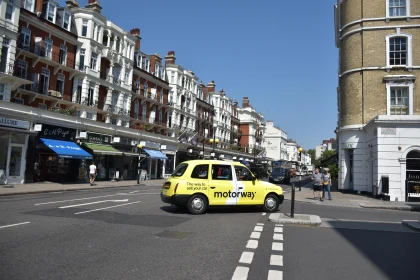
(103, 149)
(66, 149)
(155, 154)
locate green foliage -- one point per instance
(328, 159)
(333, 170)
(311, 153)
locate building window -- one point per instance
(51, 12)
(91, 92)
(136, 108)
(161, 95)
(127, 76)
(144, 112)
(26, 37)
(89, 115)
(93, 61)
(66, 21)
(48, 45)
(19, 101)
(399, 50)
(399, 94)
(114, 121)
(82, 59)
(398, 8)
(84, 27)
(63, 54)
(79, 92)
(43, 106)
(399, 101)
(9, 12)
(22, 68)
(1, 92)
(60, 83)
(29, 5)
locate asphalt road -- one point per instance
(128, 233)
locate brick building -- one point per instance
(378, 101)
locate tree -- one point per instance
(329, 159)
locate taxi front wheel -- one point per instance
(271, 203)
(197, 204)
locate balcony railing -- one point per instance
(59, 57)
(90, 103)
(118, 110)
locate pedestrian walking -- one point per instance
(92, 173)
(317, 183)
(326, 184)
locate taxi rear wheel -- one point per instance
(271, 203)
(197, 204)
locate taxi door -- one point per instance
(251, 192)
(221, 185)
(199, 180)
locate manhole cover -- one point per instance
(174, 234)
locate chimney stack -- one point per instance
(136, 33)
(211, 87)
(38, 7)
(72, 4)
(245, 102)
(170, 58)
(95, 5)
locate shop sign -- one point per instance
(388, 131)
(348, 146)
(14, 123)
(125, 141)
(57, 132)
(168, 147)
(96, 138)
(147, 144)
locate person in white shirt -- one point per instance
(92, 173)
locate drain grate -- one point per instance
(174, 234)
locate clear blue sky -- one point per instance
(280, 54)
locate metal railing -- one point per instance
(90, 103)
(59, 57)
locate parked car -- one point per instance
(280, 176)
(259, 172)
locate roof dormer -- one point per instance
(49, 10)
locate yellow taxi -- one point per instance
(198, 184)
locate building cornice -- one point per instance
(45, 25)
(408, 18)
(378, 28)
(145, 75)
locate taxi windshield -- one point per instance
(179, 170)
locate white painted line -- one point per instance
(279, 225)
(278, 236)
(275, 275)
(277, 246)
(15, 225)
(260, 224)
(278, 229)
(252, 244)
(246, 257)
(258, 228)
(241, 273)
(255, 235)
(105, 208)
(95, 202)
(276, 260)
(264, 214)
(76, 199)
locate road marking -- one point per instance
(277, 246)
(76, 199)
(278, 236)
(241, 273)
(264, 214)
(258, 228)
(246, 257)
(279, 225)
(275, 275)
(105, 208)
(255, 235)
(278, 229)
(15, 225)
(252, 244)
(276, 260)
(260, 224)
(95, 202)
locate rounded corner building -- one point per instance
(378, 129)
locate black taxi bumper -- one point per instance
(281, 198)
(178, 199)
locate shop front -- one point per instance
(170, 152)
(54, 155)
(14, 140)
(108, 160)
(154, 163)
(129, 159)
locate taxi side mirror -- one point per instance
(254, 178)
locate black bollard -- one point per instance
(292, 212)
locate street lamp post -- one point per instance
(138, 165)
(300, 163)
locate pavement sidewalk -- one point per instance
(350, 200)
(45, 187)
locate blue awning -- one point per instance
(155, 154)
(66, 149)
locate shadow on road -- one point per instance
(214, 210)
